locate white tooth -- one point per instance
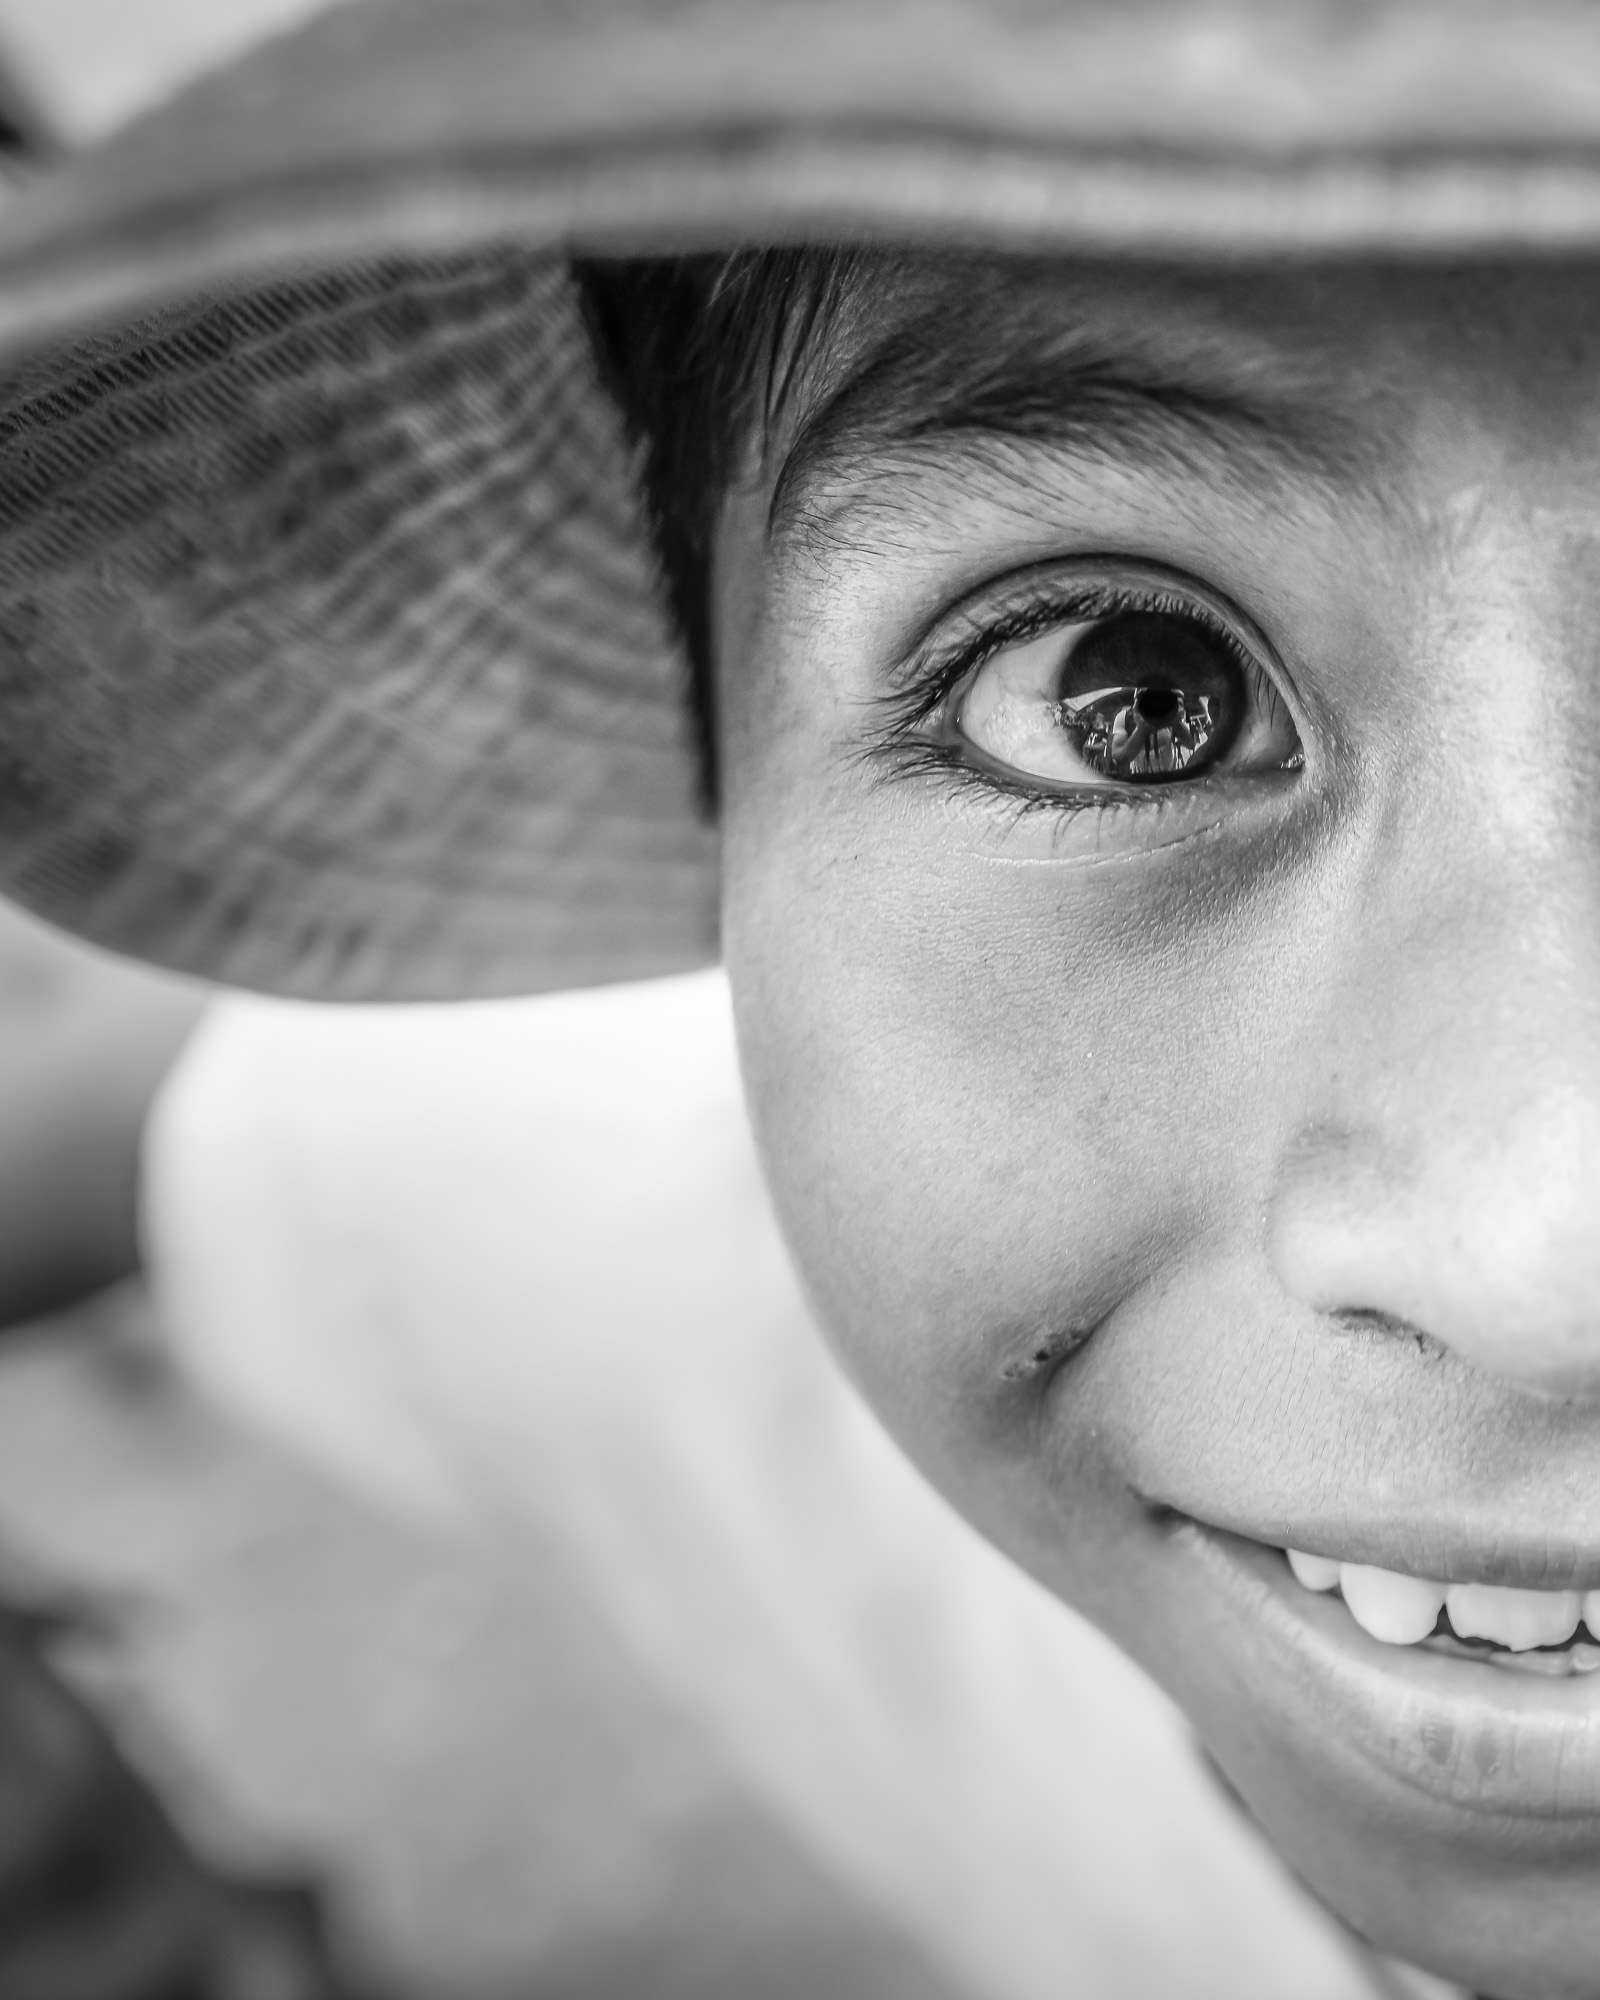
(1515, 1619)
(1591, 1613)
(1551, 1666)
(1318, 1572)
(1399, 1610)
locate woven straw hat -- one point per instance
(332, 657)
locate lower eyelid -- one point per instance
(974, 793)
(956, 762)
(997, 822)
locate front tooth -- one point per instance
(1515, 1619)
(1318, 1572)
(1591, 1613)
(1399, 1610)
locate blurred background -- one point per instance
(274, 1719)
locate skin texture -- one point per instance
(1271, 1102)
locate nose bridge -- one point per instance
(1448, 1174)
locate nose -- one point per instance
(1448, 1180)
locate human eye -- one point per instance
(1105, 678)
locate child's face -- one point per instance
(1264, 1064)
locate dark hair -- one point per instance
(698, 350)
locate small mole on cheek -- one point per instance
(1047, 1354)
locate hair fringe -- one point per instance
(702, 353)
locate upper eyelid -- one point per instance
(911, 666)
(1077, 575)
(959, 662)
(920, 686)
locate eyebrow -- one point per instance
(1062, 390)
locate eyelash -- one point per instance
(934, 675)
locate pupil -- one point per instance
(1156, 704)
(1149, 695)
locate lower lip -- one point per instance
(1461, 1732)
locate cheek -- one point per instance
(998, 1098)
(993, 1101)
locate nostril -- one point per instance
(1483, 1240)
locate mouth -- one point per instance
(1479, 1695)
(1547, 1632)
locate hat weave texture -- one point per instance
(328, 639)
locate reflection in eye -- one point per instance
(1136, 696)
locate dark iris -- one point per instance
(1148, 695)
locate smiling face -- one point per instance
(1194, 1151)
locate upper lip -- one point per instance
(1515, 1556)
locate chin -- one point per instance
(1443, 1798)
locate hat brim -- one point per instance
(332, 659)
